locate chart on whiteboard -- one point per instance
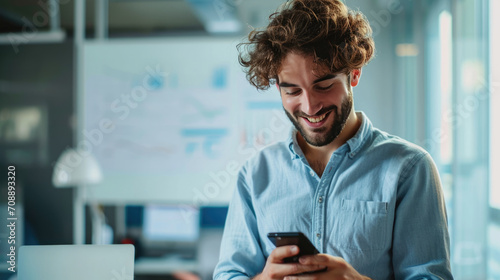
(158, 118)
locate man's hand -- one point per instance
(276, 269)
(336, 268)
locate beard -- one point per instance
(324, 135)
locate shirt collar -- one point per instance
(354, 144)
(293, 144)
(361, 136)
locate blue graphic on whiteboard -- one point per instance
(208, 140)
(155, 82)
(202, 111)
(220, 78)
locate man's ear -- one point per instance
(278, 86)
(355, 77)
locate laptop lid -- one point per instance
(76, 262)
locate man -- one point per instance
(370, 202)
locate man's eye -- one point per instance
(293, 92)
(324, 88)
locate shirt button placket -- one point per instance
(320, 224)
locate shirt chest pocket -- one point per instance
(361, 225)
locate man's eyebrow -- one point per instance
(287, 85)
(327, 77)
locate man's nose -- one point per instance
(310, 103)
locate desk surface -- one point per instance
(164, 265)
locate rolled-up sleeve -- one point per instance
(241, 256)
(421, 245)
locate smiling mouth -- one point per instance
(317, 119)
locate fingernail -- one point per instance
(302, 260)
(294, 249)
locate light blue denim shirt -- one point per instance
(379, 205)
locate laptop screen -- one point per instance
(170, 223)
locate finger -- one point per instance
(323, 259)
(294, 268)
(301, 277)
(183, 275)
(314, 259)
(278, 254)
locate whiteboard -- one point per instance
(172, 120)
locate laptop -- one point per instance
(170, 230)
(76, 262)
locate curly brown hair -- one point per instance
(338, 38)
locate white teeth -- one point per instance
(317, 119)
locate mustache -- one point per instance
(320, 112)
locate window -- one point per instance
(494, 103)
(458, 130)
(494, 193)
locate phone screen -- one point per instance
(293, 238)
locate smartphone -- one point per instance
(293, 238)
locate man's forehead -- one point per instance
(294, 59)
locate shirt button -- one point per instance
(318, 235)
(320, 199)
(312, 173)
